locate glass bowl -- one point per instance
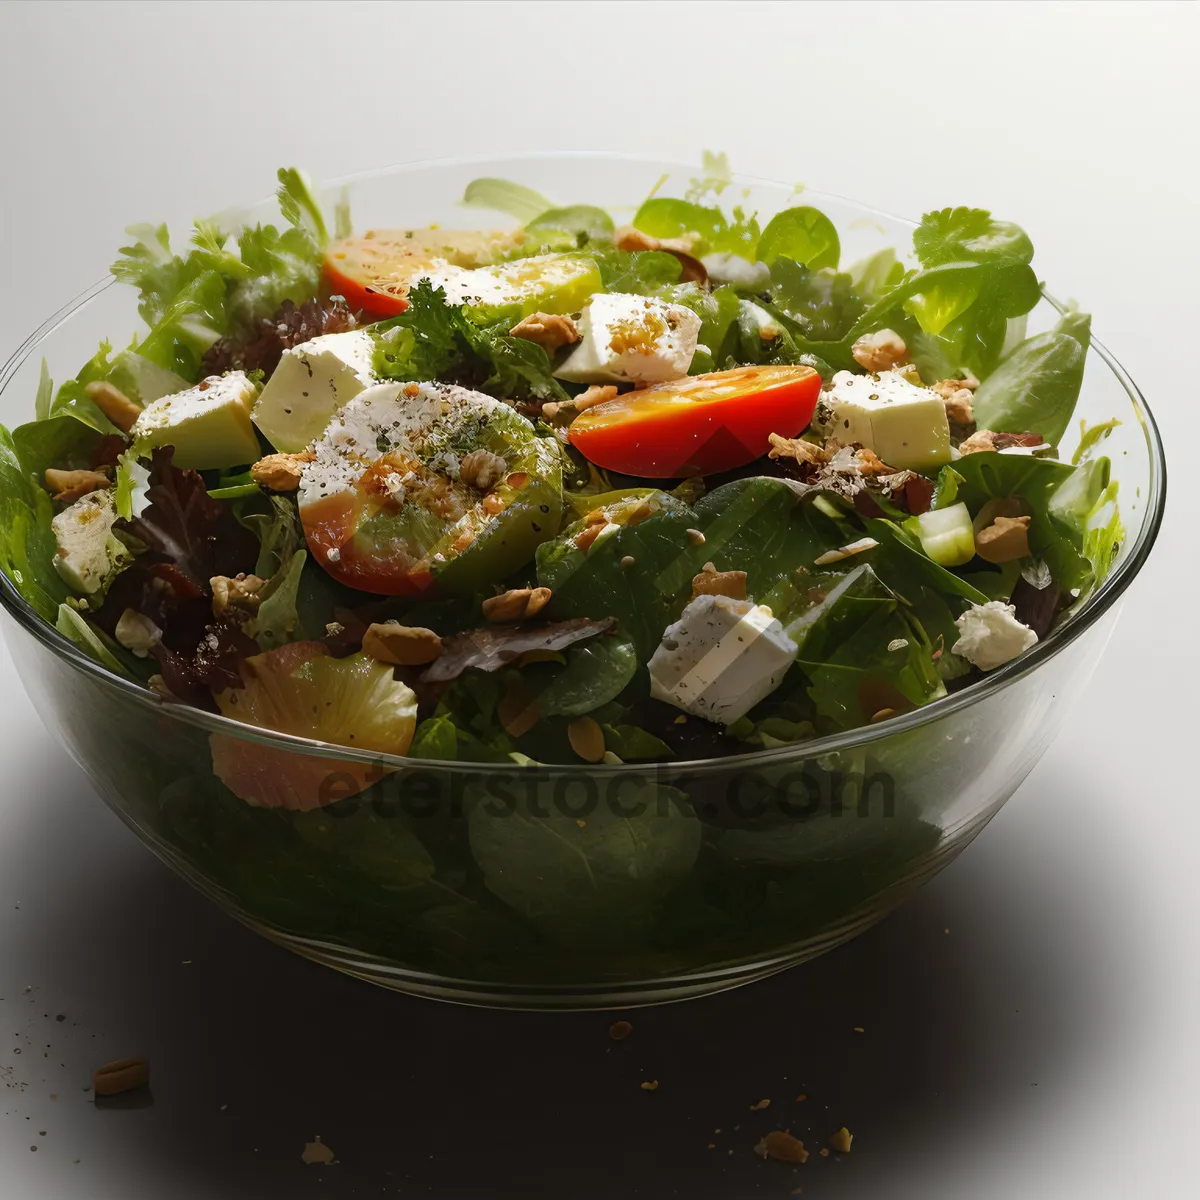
(578, 886)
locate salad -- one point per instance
(563, 491)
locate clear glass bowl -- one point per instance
(591, 885)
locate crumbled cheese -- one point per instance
(88, 554)
(739, 271)
(990, 635)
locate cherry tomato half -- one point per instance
(373, 271)
(700, 425)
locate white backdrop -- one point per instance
(1078, 121)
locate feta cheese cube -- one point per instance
(903, 424)
(89, 554)
(311, 382)
(720, 658)
(209, 424)
(632, 339)
(991, 635)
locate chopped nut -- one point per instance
(280, 472)
(137, 633)
(841, 1140)
(720, 583)
(797, 448)
(548, 330)
(586, 738)
(565, 412)
(880, 351)
(760, 1106)
(957, 398)
(121, 1076)
(242, 591)
(69, 486)
(517, 710)
(987, 439)
(114, 404)
(628, 238)
(696, 537)
(832, 556)
(649, 1085)
(401, 645)
(316, 1153)
(883, 713)
(518, 604)
(482, 469)
(781, 1146)
(158, 685)
(1003, 540)
(619, 1030)
(628, 562)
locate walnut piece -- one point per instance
(694, 271)
(781, 1146)
(565, 412)
(69, 486)
(880, 351)
(280, 472)
(242, 591)
(518, 604)
(113, 403)
(481, 469)
(797, 448)
(1005, 539)
(401, 645)
(548, 330)
(988, 439)
(711, 582)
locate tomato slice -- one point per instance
(373, 272)
(700, 425)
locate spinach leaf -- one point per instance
(662, 217)
(1035, 387)
(821, 304)
(595, 672)
(585, 221)
(803, 234)
(637, 272)
(1056, 530)
(861, 654)
(754, 524)
(584, 869)
(631, 743)
(27, 546)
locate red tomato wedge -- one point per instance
(700, 425)
(373, 272)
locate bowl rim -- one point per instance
(1095, 607)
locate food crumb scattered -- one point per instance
(712, 1145)
(649, 1085)
(802, 1096)
(781, 1146)
(316, 1152)
(620, 1029)
(841, 1140)
(760, 1105)
(859, 1029)
(123, 1075)
(824, 1151)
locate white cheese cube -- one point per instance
(903, 424)
(209, 424)
(632, 339)
(311, 382)
(990, 635)
(720, 658)
(89, 554)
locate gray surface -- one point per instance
(1046, 1046)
